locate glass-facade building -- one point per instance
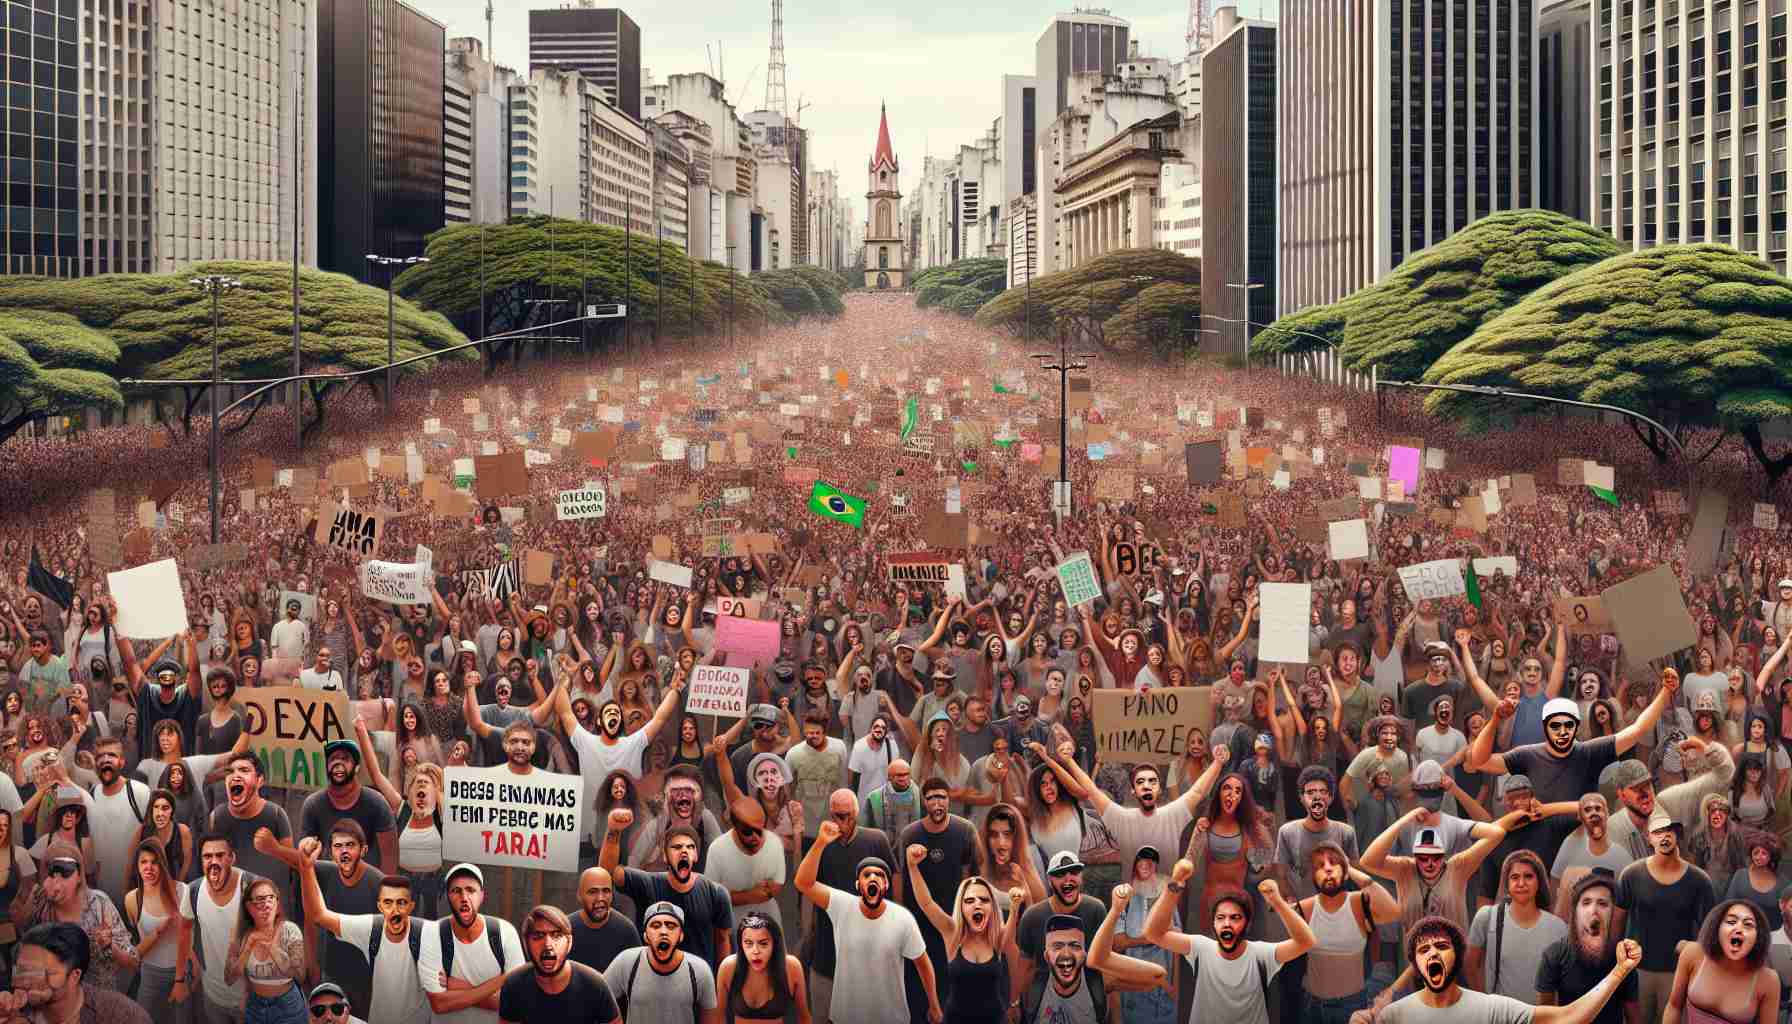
(1239, 161)
(43, 138)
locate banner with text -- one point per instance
(718, 690)
(495, 816)
(288, 727)
(1150, 726)
(584, 503)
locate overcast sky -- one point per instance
(938, 67)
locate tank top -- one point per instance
(419, 849)
(167, 950)
(1224, 849)
(10, 888)
(775, 1009)
(1335, 964)
(979, 990)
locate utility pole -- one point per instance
(731, 296)
(215, 285)
(1064, 367)
(389, 262)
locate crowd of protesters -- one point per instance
(1479, 808)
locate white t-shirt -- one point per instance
(873, 766)
(114, 828)
(1229, 990)
(219, 925)
(872, 996)
(730, 867)
(289, 638)
(312, 679)
(397, 989)
(473, 962)
(598, 759)
(9, 795)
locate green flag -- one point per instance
(970, 467)
(839, 506)
(911, 415)
(1473, 583)
(791, 451)
(1005, 443)
(1610, 497)
(1000, 390)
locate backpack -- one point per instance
(1035, 997)
(445, 934)
(416, 938)
(690, 972)
(1499, 934)
(195, 889)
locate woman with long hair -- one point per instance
(1007, 856)
(1226, 838)
(418, 810)
(979, 944)
(1759, 882)
(1723, 978)
(1750, 796)
(153, 908)
(759, 981)
(1053, 813)
(268, 951)
(1757, 739)
(412, 738)
(191, 808)
(939, 757)
(175, 839)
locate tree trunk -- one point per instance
(12, 426)
(1651, 440)
(1775, 468)
(266, 397)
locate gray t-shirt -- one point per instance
(1228, 990)
(1470, 1007)
(1520, 950)
(655, 998)
(1294, 847)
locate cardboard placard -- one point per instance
(1650, 615)
(590, 502)
(1429, 581)
(500, 475)
(719, 690)
(1583, 614)
(755, 640)
(288, 727)
(1076, 575)
(151, 603)
(1149, 726)
(1349, 538)
(1286, 613)
(351, 530)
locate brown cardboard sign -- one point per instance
(1650, 615)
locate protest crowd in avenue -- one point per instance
(765, 683)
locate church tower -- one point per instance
(886, 265)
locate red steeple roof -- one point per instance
(883, 155)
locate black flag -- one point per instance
(55, 588)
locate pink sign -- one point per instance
(1030, 452)
(754, 639)
(1403, 465)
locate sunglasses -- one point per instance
(63, 869)
(328, 1009)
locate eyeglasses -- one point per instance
(323, 1009)
(267, 899)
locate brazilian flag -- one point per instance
(839, 506)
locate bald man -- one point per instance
(896, 804)
(840, 869)
(747, 862)
(598, 933)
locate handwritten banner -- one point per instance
(495, 816)
(1149, 726)
(584, 503)
(288, 727)
(718, 690)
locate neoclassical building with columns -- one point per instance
(1107, 198)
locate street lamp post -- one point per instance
(391, 337)
(1064, 367)
(215, 285)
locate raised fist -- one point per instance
(828, 832)
(1121, 894)
(1630, 954)
(916, 854)
(1183, 871)
(621, 818)
(1505, 709)
(1269, 889)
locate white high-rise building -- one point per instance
(731, 169)
(475, 137)
(574, 155)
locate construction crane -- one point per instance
(801, 105)
(740, 97)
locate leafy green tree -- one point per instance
(1085, 299)
(160, 326)
(961, 286)
(1440, 296)
(1303, 331)
(1689, 335)
(52, 364)
(1161, 318)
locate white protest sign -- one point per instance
(1349, 539)
(1434, 458)
(151, 604)
(1076, 574)
(955, 589)
(494, 816)
(736, 495)
(1485, 567)
(672, 449)
(718, 690)
(432, 425)
(668, 572)
(1428, 581)
(1368, 488)
(583, 503)
(396, 582)
(1287, 611)
(1767, 517)
(561, 436)
(1490, 498)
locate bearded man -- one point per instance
(1573, 966)
(1435, 950)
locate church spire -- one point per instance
(883, 155)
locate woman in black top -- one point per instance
(759, 980)
(979, 944)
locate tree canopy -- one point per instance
(159, 325)
(1440, 296)
(1304, 330)
(52, 363)
(1691, 335)
(962, 286)
(1092, 301)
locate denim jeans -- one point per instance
(1333, 1011)
(286, 1008)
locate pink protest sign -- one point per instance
(1403, 465)
(752, 639)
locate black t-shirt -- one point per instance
(706, 907)
(242, 837)
(949, 852)
(370, 811)
(1556, 779)
(840, 870)
(586, 998)
(343, 962)
(1030, 936)
(596, 946)
(217, 739)
(1565, 975)
(1659, 916)
(1415, 702)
